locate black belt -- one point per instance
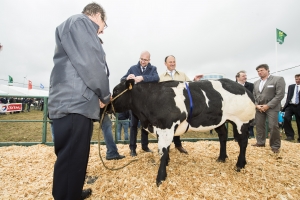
(292, 104)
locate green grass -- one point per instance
(32, 131)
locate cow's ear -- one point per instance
(129, 84)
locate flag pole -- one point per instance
(276, 52)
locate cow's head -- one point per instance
(122, 102)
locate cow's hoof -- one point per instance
(158, 183)
(220, 160)
(238, 169)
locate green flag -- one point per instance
(10, 79)
(280, 36)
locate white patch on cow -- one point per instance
(237, 108)
(179, 97)
(165, 137)
(206, 99)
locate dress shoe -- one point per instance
(118, 157)
(181, 150)
(258, 145)
(86, 193)
(147, 150)
(275, 150)
(289, 139)
(133, 153)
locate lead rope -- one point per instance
(100, 131)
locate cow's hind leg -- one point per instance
(222, 133)
(162, 171)
(242, 140)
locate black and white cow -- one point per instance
(165, 110)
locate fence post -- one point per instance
(45, 114)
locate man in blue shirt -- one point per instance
(143, 71)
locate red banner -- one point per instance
(12, 107)
(29, 85)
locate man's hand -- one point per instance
(262, 108)
(130, 76)
(138, 79)
(198, 77)
(102, 105)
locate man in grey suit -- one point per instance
(268, 93)
(78, 84)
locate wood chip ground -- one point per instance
(26, 173)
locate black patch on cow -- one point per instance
(235, 88)
(232, 87)
(203, 114)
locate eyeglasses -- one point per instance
(145, 60)
(105, 25)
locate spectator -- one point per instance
(280, 121)
(143, 71)
(73, 107)
(30, 100)
(292, 107)
(112, 150)
(42, 104)
(268, 93)
(173, 74)
(125, 124)
(241, 78)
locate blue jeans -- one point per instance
(52, 132)
(125, 125)
(111, 147)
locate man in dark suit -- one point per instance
(292, 107)
(268, 92)
(143, 71)
(241, 78)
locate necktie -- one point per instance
(143, 69)
(297, 95)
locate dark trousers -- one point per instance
(72, 135)
(177, 141)
(287, 124)
(133, 134)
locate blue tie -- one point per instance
(143, 69)
(297, 95)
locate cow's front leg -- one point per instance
(222, 133)
(162, 171)
(165, 137)
(243, 142)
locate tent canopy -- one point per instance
(19, 91)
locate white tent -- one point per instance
(19, 91)
(3, 93)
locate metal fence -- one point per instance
(45, 121)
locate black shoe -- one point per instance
(133, 153)
(118, 157)
(289, 139)
(86, 193)
(181, 150)
(147, 150)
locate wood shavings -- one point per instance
(26, 173)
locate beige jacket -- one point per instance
(178, 76)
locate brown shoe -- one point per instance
(258, 145)
(275, 150)
(181, 149)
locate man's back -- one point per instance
(79, 74)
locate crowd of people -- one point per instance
(79, 88)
